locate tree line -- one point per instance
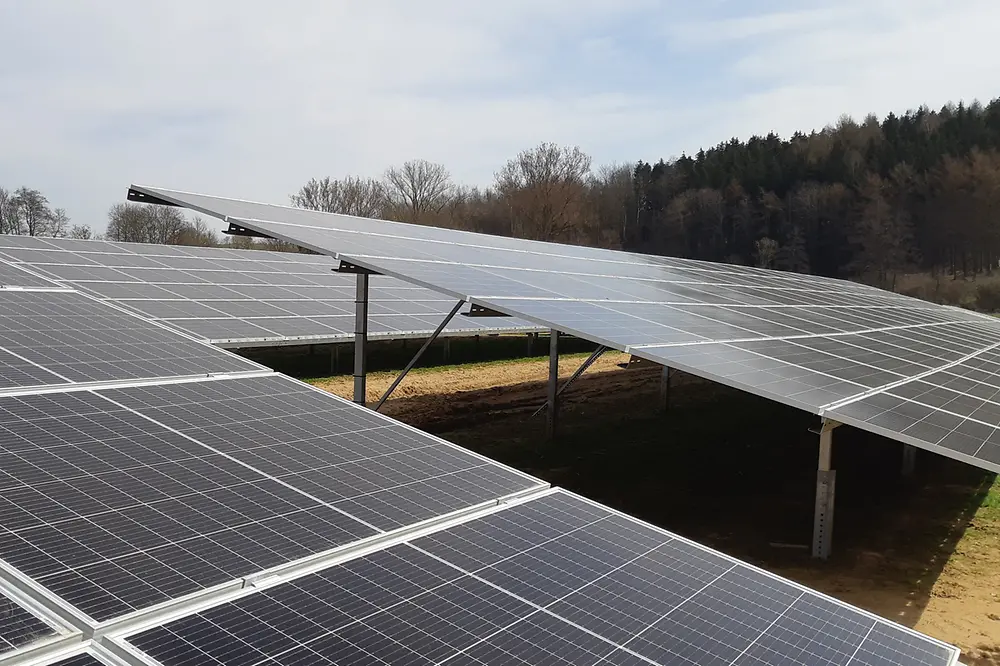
(869, 199)
(26, 211)
(919, 191)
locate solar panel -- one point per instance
(217, 293)
(123, 499)
(553, 580)
(64, 337)
(114, 513)
(13, 276)
(828, 346)
(19, 626)
(373, 468)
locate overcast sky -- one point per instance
(250, 99)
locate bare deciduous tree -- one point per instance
(363, 197)
(883, 234)
(418, 190)
(766, 250)
(58, 224)
(611, 196)
(9, 222)
(196, 232)
(81, 232)
(142, 223)
(793, 255)
(545, 189)
(33, 215)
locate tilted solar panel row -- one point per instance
(235, 298)
(848, 352)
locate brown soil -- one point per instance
(924, 553)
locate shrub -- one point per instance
(988, 297)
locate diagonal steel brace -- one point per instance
(579, 371)
(420, 352)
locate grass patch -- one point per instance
(440, 369)
(991, 502)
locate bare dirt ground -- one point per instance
(737, 473)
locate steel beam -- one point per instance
(909, 460)
(579, 371)
(239, 230)
(420, 352)
(826, 485)
(665, 388)
(552, 415)
(360, 338)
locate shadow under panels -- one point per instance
(51, 338)
(554, 580)
(116, 500)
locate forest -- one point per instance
(871, 199)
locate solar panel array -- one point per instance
(921, 373)
(175, 504)
(556, 580)
(238, 298)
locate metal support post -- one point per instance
(360, 338)
(826, 485)
(552, 414)
(909, 460)
(446, 350)
(665, 388)
(579, 371)
(420, 352)
(334, 359)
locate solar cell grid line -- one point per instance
(550, 579)
(114, 513)
(382, 472)
(81, 339)
(17, 371)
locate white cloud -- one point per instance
(801, 70)
(253, 98)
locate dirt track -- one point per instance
(932, 569)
